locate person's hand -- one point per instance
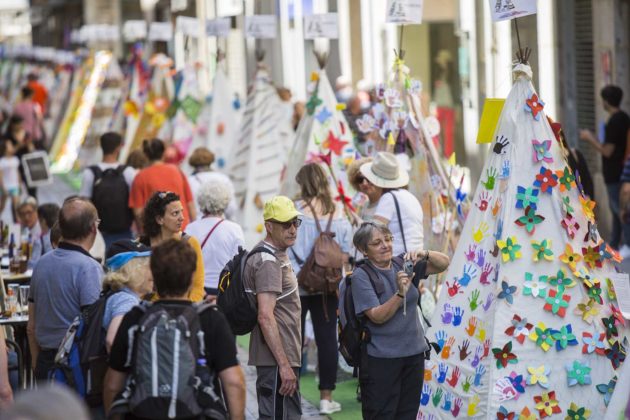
(288, 381)
(211, 299)
(415, 255)
(586, 135)
(403, 282)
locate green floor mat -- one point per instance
(345, 394)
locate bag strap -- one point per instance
(402, 230)
(210, 233)
(330, 219)
(299, 260)
(319, 227)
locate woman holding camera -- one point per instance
(386, 290)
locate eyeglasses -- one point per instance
(387, 240)
(360, 180)
(287, 225)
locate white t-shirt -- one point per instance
(220, 247)
(195, 181)
(411, 214)
(88, 177)
(10, 172)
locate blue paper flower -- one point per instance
(508, 292)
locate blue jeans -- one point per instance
(110, 238)
(618, 227)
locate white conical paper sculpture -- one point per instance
(323, 136)
(219, 122)
(259, 155)
(527, 320)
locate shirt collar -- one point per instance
(72, 247)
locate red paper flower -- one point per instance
(547, 404)
(334, 144)
(570, 225)
(345, 200)
(557, 303)
(535, 106)
(504, 355)
(546, 180)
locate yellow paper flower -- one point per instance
(547, 403)
(526, 415)
(570, 258)
(340, 107)
(587, 310)
(314, 76)
(587, 207)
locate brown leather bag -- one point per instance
(321, 273)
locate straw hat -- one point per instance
(384, 171)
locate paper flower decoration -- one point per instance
(366, 123)
(526, 414)
(578, 373)
(594, 290)
(334, 144)
(560, 281)
(587, 207)
(566, 204)
(570, 257)
(526, 197)
(616, 354)
(518, 382)
(542, 336)
(312, 104)
(591, 234)
(557, 303)
(542, 151)
(542, 250)
(546, 404)
(538, 375)
(323, 115)
(616, 312)
(564, 337)
(534, 106)
(546, 180)
(582, 274)
(587, 310)
(529, 220)
(566, 179)
(535, 288)
(507, 292)
(504, 414)
(611, 327)
(592, 257)
(392, 98)
(607, 390)
(594, 344)
(570, 225)
(510, 249)
(574, 412)
(504, 356)
(519, 329)
(614, 254)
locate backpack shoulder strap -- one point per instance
(371, 273)
(96, 170)
(310, 206)
(210, 233)
(185, 237)
(121, 169)
(400, 223)
(398, 262)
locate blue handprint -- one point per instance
(479, 374)
(505, 170)
(426, 394)
(447, 315)
(496, 273)
(469, 273)
(441, 337)
(442, 371)
(458, 314)
(448, 400)
(488, 303)
(499, 232)
(477, 357)
(481, 257)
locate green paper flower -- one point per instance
(578, 373)
(535, 288)
(566, 203)
(578, 413)
(510, 249)
(526, 197)
(561, 281)
(313, 103)
(542, 336)
(564, 336)
(529, 220)
(566, 179)
(542, 250)
(557, 302)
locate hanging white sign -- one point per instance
(404, 11)
(179, 5)
(135, 29)
(621, 284)
(323, 25)
(511, 9)
(187, 25)
(261, 26)
(218, 27)
(161, 31)
(229, 7)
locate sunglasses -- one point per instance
(287, 225)
(360, 180)
(164, 194)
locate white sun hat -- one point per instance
(385, 172)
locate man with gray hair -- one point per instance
(219, 238)
(64, 281)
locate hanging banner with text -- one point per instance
(261, 26)
(218, 27)
(324, 25)
(160, 31)
(134, 30)
(187, 25)
(511, 9)
(404, 11)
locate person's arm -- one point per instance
(605, 149)
(137, 214)
(113, 384)
(384, 312)
(233, 382)
(111, 331)
(6, 393)
(197, 292)
(436, 261)
(269, 328)
(86, 183)
(30, 333)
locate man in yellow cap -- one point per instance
(275, 345)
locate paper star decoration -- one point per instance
(534, 106)
(334, 144)
(323, 115)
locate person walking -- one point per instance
(320, 211)
(160, 176)
(32, 115)
(10, 168)
(220, 239)
(40, 93)
(64, 281)
(275, 345)
(613, 151)
(108, 184)
(163, 220)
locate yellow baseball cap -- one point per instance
(281, 209)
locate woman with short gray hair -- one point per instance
(392, 368)
(219, 237)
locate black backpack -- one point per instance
(81, 359)
(238, 304)
(110, 195)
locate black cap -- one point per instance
(126, 245)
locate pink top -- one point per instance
(31, 112)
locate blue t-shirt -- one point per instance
(64, 281)
(119, 304)
(402, 335)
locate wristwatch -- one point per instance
(400, 295)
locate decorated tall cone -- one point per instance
(323, 136)
(259, 155)
(527, 322)
(132, 107)
(219, 122)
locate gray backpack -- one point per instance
(169, 375)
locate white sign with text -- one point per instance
(218, 27)
(261, 26)
(511, 9)
(325, 25)
(404, 11)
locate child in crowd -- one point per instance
(9, 165)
